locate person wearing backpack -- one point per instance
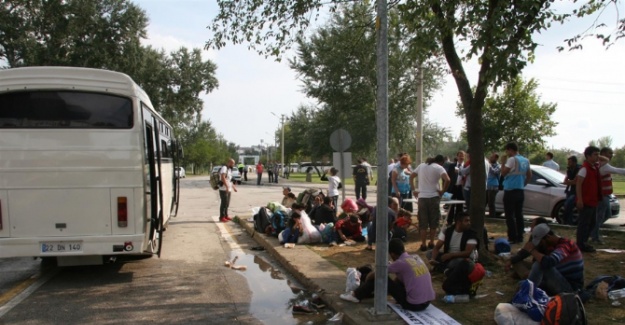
(225, 189)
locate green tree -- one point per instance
(73, 32)
(337, 66)
(498, 34)
(516, 114)
(602, 142)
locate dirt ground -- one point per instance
(500, 286)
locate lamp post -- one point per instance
(282, 118)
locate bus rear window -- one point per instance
(65, 110)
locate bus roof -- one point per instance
(70, 78)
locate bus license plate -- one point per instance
(61, 247)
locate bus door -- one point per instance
(154, 188)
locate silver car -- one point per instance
(544, 196)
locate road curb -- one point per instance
(316, 273)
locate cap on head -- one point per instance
(539, 232)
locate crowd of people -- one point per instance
(450, 245)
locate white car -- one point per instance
(544, 195)
(179, 172)
(236, 176)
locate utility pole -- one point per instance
(282, 145)
(419, 153)
(381, 249)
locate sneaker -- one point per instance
(223, 219)
(349, 297)
(423, 248)
(332, 244)
(227, 217)
(300, 309)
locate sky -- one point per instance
(588, 86)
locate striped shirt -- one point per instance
(567, 259)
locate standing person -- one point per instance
(517, 174)
(245, 172)
(605, 171)
(572, 167)
(588, 196)
(240, 167)
(455, 185)
(412, 287)
(276, 172)
(259, 172)
(270, 171)
(429, 197)
(225, 189)
(492, 182)
(333, 186)
(389, 170)
(369, 169)
(361, 180)
(401, 182)
(549, 163)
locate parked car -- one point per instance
(179, 172)
(236, 176)
(544, 196)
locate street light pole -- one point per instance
(282, 118)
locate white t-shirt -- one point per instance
(454, 242)
(228, 173)
(429, 178)
(333, 184)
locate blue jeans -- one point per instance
(568, 209)
(603, 213)
(550, 280)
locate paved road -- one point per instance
(188, 284)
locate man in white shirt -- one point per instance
(550, 163)
(429, 196)
(225, 189)
(603, 210)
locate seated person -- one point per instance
(562, 270)
(459, 242)
(393, 207)
(401, 225)
(324, 213)
(517, 262)
(294, 229)
(348, 229)
(290, 199)
(364, 211)
(310, 234)
(464, 279)
(412, 286)
(286, 199)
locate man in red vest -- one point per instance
(588, 190)
(605, 171)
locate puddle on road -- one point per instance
(274, 294)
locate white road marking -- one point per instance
(26, 293)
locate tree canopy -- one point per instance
(516, 115)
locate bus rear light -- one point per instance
(122, 211)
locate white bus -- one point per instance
(86, 166)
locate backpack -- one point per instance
(565, 309)
(262, 220)
(214, 180)
(278, 222)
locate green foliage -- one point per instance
(337, 66)
(516, 115)
(603, 142)
(618, 159)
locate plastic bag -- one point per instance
(353, 279)
(531, 300)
